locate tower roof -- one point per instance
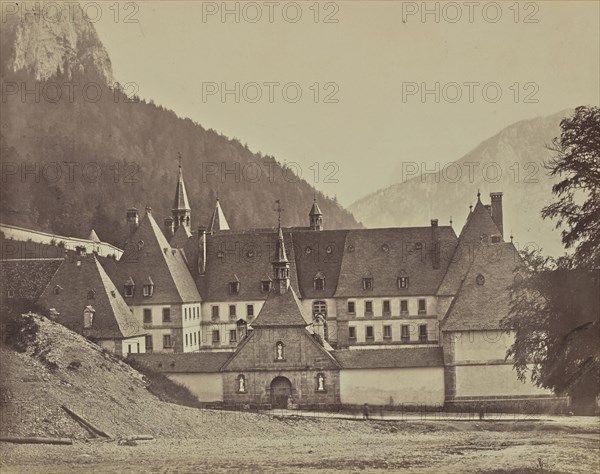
(181, 199)
(315, 210)
(217, 220)
(280, 254)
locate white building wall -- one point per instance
(498, 380)
(225, 322)
(422, 386)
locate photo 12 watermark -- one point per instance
(270, 12)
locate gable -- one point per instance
(300, 348)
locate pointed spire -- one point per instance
(281, 264)
(478, 195)
(181, 206)
(218, 222)
(316, 216)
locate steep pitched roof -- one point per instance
(319, 253)
(249, 255)
(26, 279)
(148, 254)
(217, 221)
(84, 283)
(181, 199)
(476, 232)
(281, 309)
(386, 254)
(181, 237)
(203, 362)
(483, 299)
(390, 358)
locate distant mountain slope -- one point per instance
(510, 162)
(77, 162)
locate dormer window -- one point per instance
(234, 286)
(319, 282)
(57, 289)
(265, 286)
(88, 317)
(402, 282)
(368, 283)
(10, 293)
(496, 239)
(91, 294)
(148, 288)
(129, 288)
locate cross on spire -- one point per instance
(279, 209)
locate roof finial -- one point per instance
(470, 208)
(179, 158)
(279, 209)
(478, 194)
(450, 220)
(511, 236)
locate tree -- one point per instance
(577, 162)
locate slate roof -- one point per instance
(386, 254)
(217, 221)
(181, 237)
(390, 358)
(195, 362)
(281, 309)
(148, 254)
(247, 255)
(113, 319)
(27, 278)
(483, 306)
(479, 223)
(181, 199)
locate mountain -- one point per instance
(510, 162)
(76, 150)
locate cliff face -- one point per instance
(511, 162)
(46, 41)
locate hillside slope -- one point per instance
(75, 157)
(510, 162)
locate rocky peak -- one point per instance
(46, 42)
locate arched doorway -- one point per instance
(281, 389)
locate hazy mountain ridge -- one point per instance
(517, 152)
(134, 146)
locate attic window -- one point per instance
(418, 246)
(329, 249)
(10, 293)
(57, 289)
(368, 283)
(350, 248)
(496, 239)
(148, 287)
(403, 282)
(265, 286)
(234, 287)
(129, 290)
(220, 254)
(88, 317)
(480, 279)
(308, 250)
(91, 294)
(385, 248)
(140, 245)
(319, 282)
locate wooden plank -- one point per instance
(86, 424)
(35, 440)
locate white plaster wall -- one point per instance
(481, 345)
(491, 381)
(207, 387)
(424, 386)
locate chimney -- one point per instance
(435, 244)
(133, 219)
(148, 210)
(168, 228)
(202, 248)
(497, 211)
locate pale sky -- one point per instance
(371, 56)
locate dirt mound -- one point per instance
(54, 366)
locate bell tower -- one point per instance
(281, 264)
(316, 216)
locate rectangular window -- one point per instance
(232, 311)
(265, 286)
(215, 313)
(387, 332)
(404, 307)
(319, 284)
(185, 313)
(368, 283)
(369, 332)
(233, 335)
(405, 334)
(128, 290)
(186, 340)
(148, 343)
(386, 307)
(195, 338)
(422, 332)
(422, 306)
(351, 307)
(250, 310)
(147, 316)
(166, 315)
(216, 336)
(368, 308)
(352, 332)
(234, 287)
(167, 344)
